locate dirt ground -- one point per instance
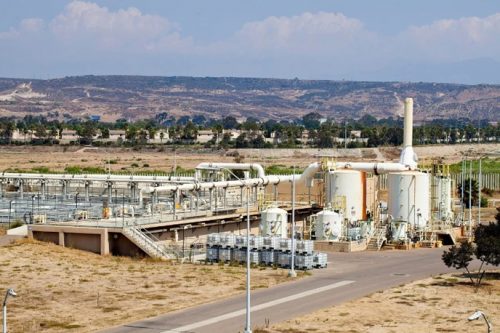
(163, 159)
(438, 304)
(61, 289)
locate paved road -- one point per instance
(349, 276)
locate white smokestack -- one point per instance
(408, 123)
(408, 157)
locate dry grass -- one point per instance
(439, 304)
(57, 158)
(70, 290)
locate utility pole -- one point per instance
(345, 134)
(248, 328)
(292, 272)
(470, 198)
(479, 194)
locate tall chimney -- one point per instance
(408, 123)
(408, 156)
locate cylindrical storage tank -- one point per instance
(328, 225)
(348, 187)
(274, 222)
(409, 198)
(443, 194)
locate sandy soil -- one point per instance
(438, 304)
(151, 159)
(62, 289)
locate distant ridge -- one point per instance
(136, 97)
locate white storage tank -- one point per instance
(328, 225)
(350, 187)
(409, 198)
(442, 204)
(274, 222)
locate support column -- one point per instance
(215, 199)
(42, 189)
(241, 196)
(275, 192)
(224, 191)
(154, 198)
(210, 198)
(197, 201)
(104, 242)
(110, 193)
(133, 191)
(61, 238)
(64, 188)
(1, 189)
(87, 191)
(174, 200)
(21, 189)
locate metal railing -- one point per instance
(147, 244)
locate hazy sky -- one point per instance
(376, 40)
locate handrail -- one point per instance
(160, 252)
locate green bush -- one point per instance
(15, 224)
(40, 169)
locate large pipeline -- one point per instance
(97, 177)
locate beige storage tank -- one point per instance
(274, 222)
(350, 185)
(409, 198)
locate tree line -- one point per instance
(311, 130)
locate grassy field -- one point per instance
(488, 165)
(438, 304)
(61, 289)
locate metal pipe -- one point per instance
(376, 168)
(233, 166)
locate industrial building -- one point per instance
(337, 205)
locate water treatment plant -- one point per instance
(335, 203)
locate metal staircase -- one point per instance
(148, 245)
(378, 239)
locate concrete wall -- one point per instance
(340, 246)
(87, 239)
(86, 242)
(49, 237)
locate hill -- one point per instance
(136, 97)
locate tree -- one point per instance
(487, 239)
(104, 132)
(229, 122)
(189, 132)
(86, 131)
(131, 133)
(311, 120)
(459, 257)
(486, 248)
(8, 130)
(467, 192)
